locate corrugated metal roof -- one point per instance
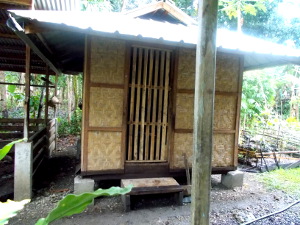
(12, 50)
(257, 52)
(57, 5)
(124, 25)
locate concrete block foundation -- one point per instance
(82, 185)
(233, 179)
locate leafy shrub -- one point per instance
(72, 127)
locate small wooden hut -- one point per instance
(139, 105)
(139, 79)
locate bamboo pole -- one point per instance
(131, 112)
(27, 93)
(55, 111)
(203, 111)
(47, 95)
(153, 127)
(143, 106)
(160, 107)
(137, 106)
(149, 99)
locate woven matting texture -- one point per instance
(186, 68)
(106, 107)
(223, 150)
(183, 143)
(225, 112)
(227, 73)
(104, 150)
(107, 60)
(184, 111)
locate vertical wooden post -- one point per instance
(55, 93)
(203, 111)
(27, 93)
(47, 95)
(55, 110)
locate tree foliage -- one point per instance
(232, 7)
(270, 93)
(267, 23)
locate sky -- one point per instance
(289, 9)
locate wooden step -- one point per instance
(146, 186)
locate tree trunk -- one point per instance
(70, 97)
(3, 103)
(204, 111)
(239, 18)
(75, 91)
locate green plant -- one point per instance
(74, 204)
(6, 148)
(72, 127)
(285, 180)
(9, 209)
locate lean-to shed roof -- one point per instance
(12, 48)
(60, 28)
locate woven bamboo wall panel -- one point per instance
(183, 143)
(186, 69)
(104, 150)
(223, 150)
(107, 60)
(225, 112)
(227, 73)
(106, 107)
(184, 111)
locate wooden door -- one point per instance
(148, 105)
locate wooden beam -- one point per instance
(12, 36)
(21, 68)
(32, 85)
(12, 6)
(18, 56)
(17, 2)
(20, 33)
(47, 95)
(178, 13)
(27, 93)
(35, 27)
(3, 22)
(203, 111)
(144, 10)
(9, 47)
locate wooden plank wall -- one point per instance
(103, 109)
(227, 109)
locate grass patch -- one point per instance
(285, 180)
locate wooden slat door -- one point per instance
(148, 127)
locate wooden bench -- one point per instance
(152, 186)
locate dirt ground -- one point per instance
(227, 206)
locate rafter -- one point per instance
(12, 36)
(20, 33)
(3, 22)
(17, 48)
(17, 2)
(21, 69)
(18, 57)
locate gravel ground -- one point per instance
(228, 206)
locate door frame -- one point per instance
(171, 105)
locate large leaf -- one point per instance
(6, 148)
(11, 88)
(73, 204)
(9, 209)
